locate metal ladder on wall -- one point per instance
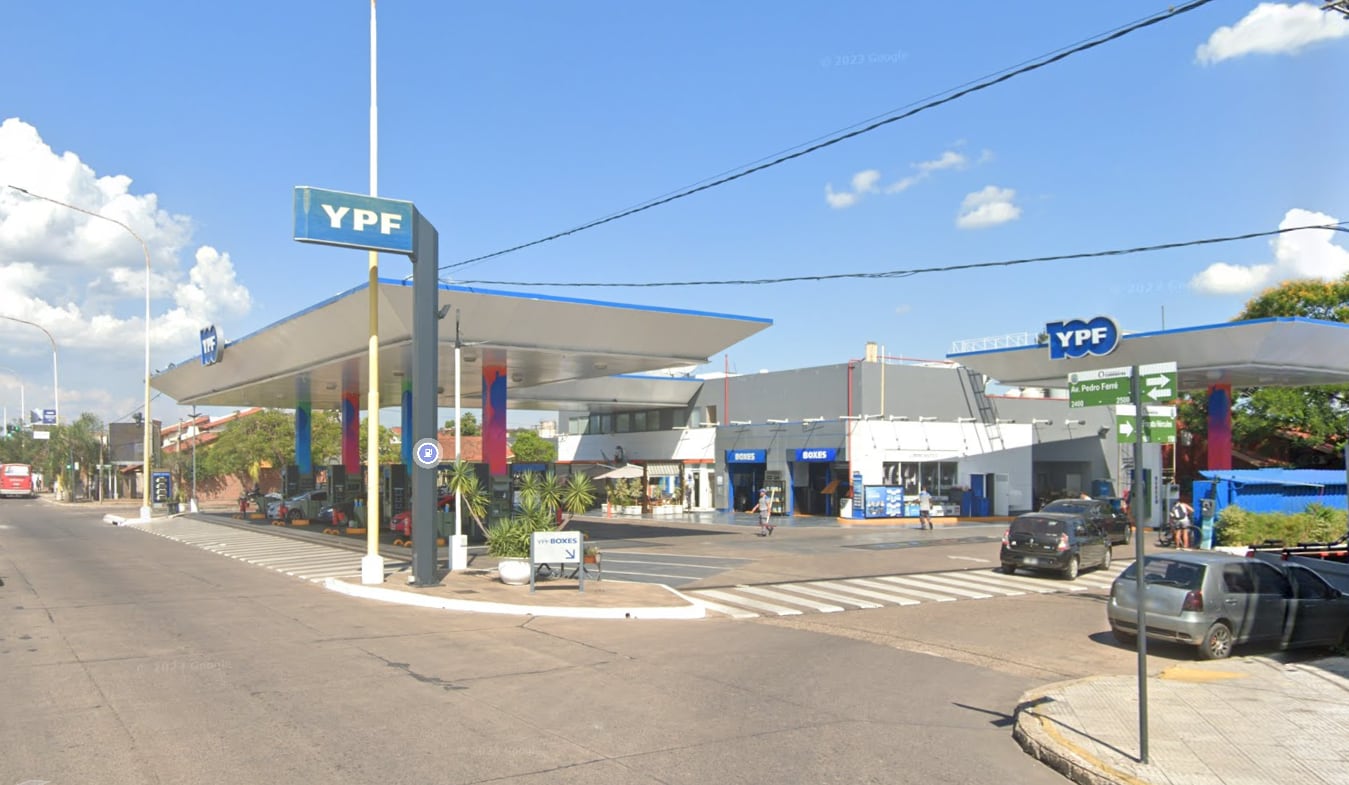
(987, 414)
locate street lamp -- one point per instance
(148, 458)
(56, 387)
(22, 411)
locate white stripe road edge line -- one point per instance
(294, 563)
(780, 596)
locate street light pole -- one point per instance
(148, 458)
(192, 505)
(22, 411)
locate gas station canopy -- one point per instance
(550, 346)
(1275, 352)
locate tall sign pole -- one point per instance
(1136, 512)
(376, 224)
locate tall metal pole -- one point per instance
(192, 506)
(1136, 509)
(149, 455)
(372, 564)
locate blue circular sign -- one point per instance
(426, 453)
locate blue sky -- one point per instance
(506, 122)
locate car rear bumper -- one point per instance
(1039, 560)
(1180, 629)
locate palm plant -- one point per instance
(578, 495)
(463, 483)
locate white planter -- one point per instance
(633, 509)
(513, 571)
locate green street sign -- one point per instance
(1159, 424)
(1157, 382)
(1104, 387)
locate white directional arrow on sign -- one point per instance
(1126, 427)
(1160, 380)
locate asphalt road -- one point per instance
(129, 658)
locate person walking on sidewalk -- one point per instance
(765, 510)
(924, 509)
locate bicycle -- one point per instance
(1166, 536)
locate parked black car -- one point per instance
(1100, 512)
(1054, 541)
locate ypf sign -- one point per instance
(353, 220)
(1076, 338)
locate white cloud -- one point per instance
(1310, 253)
(988, 207)
(1224, 278)
(83, 278)
(837, 200)
(1273, 28)
(867, 180)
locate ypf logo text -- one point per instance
(1077, 338)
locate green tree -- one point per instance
(1301, 416)
(468, 425)
(246, 443)
(529, 447)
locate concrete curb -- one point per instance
(1058, 753)
(676, 612)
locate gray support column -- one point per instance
(425, 378)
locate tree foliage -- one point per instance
(1301, 416)
(530, 447)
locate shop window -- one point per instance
(623, 423)
(638, 421)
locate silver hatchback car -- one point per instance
(1216, 600)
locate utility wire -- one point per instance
(1339, 227)
(811, 148)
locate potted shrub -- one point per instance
(543, 499)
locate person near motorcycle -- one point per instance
(1181, 515)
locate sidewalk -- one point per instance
(1247, 721)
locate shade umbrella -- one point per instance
(625, 472)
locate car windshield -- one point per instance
(1039, 526)
(1162, 571)
(1068, 506)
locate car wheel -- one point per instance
(1217, 643)
(1105, 561)
(1128, 535)
(1008, 569)
(1125, 638)
(293, 515)
(1070, 572)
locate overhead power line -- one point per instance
(984, 84)
(1339, 227)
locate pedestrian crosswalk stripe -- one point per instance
(308, 561)
(895, 583)
(946, 580)
(782, 596)
(937, 587)
(816, 591)
(747, 602)
(860, 587)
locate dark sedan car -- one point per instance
(1054, 541)
(1214, 601)
(1100, 512)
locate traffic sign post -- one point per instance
(1105, 387)
(1159, 424)
(376, 224)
